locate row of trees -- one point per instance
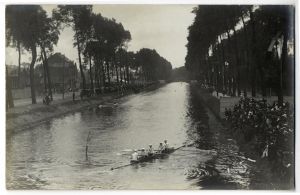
(98, 39)
(242, 48)
(153, 65)
(101, 44)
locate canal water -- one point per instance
(53, 155)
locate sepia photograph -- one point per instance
(150, 96)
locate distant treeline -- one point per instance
(243, 48)
(180, 74)
(101, 45)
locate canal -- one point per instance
(53, 155)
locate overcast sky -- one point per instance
(159, 27)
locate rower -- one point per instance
(143, 152)
(166, 145)
(134, 156)
(160, 147)
(150, 150)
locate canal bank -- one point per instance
(26, 117)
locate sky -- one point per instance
(159, 27)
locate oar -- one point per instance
(185, 145)
(113, 168)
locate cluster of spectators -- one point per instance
(269, 127)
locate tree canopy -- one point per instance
(227, 42)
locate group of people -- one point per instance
(257, 118)
(269, 126)
(137, 154)
(47, 99)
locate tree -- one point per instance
(34, 19)
(279, 24)
(98, 48)
(107, 38)
(216, 41)
(130, 64)
(49, 38)
(79, 18)
(154, 67)
(14, 25)
(115, 37)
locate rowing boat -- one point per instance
(152, 157)
(155, 155)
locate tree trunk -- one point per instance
(91, 74)
(234, 86)
(127, 73)
(44, 71)
(224, 68)
(97, 73)
(9, 97)
(116, 71)
(233, 72)
(124, 75)
(32, 84)
(121, 75)
(116, 67)
(230, 85)
(107, 70)
(103, 72)
(263, 83)
(238, 79)
(247, 56)
(48, 73)
(221, 59)
(253, 65)
(281, 65)
(80, 64)
(19, 63)
(127, 68)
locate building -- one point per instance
(63, 73)
(24, 80)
